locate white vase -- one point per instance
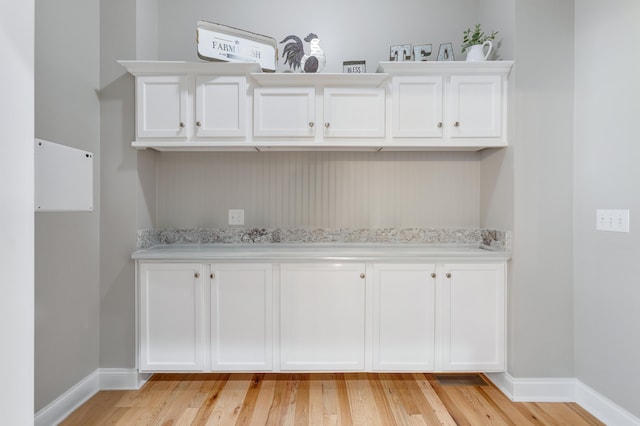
(476, 53)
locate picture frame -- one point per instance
(445, 52)
(421, 52)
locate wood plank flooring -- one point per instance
(320, 399)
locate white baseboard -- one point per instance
(563, 390)
(538, 390)
(101, 379)
(603, 408)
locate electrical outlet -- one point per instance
(612, 220)
(236, 217)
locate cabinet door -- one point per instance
(417, 107)
(354, 112)
(221, 106)
(473, 322)
(284, 112)
(171, 317)
(241, 317)
(161, 107)
(476, 106)
(404, 317)
(322, 317)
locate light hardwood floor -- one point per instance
(320, 399)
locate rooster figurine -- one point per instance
(293, 53)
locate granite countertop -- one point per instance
(311, 252)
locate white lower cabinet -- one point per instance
(241, 317)
(322, 317)
(473, 317)
(179, 302)
(404, 317)
(171, 322)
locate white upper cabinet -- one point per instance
(284, 112)
(475, 106)
(354, 112)
(404, 106)
(457, 105)
(417, 109)
(182, 107)
(221, 109)
(161, 107)
(345, 112)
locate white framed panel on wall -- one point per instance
(63, 178)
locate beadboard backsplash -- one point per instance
(355, 190)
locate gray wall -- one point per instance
(348, 30)
(606, 155)
(67, 111)
(528, 187)
(118, 40)
(16, 214)
(541, 281)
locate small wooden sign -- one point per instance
(354, 67)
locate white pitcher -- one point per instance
(476, 53)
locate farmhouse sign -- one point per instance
(218, 42)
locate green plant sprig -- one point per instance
(477, 36)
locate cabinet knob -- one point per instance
(326, 125)
(181, 125)
(212, 276)
(362, 275)
(439, 124)
(198, 124)
(311, 124)
(456, 124)
(448, 275)
(433, 275)
(197, 275)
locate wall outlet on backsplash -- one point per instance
(236, 216)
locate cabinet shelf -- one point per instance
(142, 68)
(445, 67)
(290, 79)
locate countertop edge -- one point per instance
(268, 253)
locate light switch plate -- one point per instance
(612, 220)
(236, 217)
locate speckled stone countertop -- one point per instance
(283, 245)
